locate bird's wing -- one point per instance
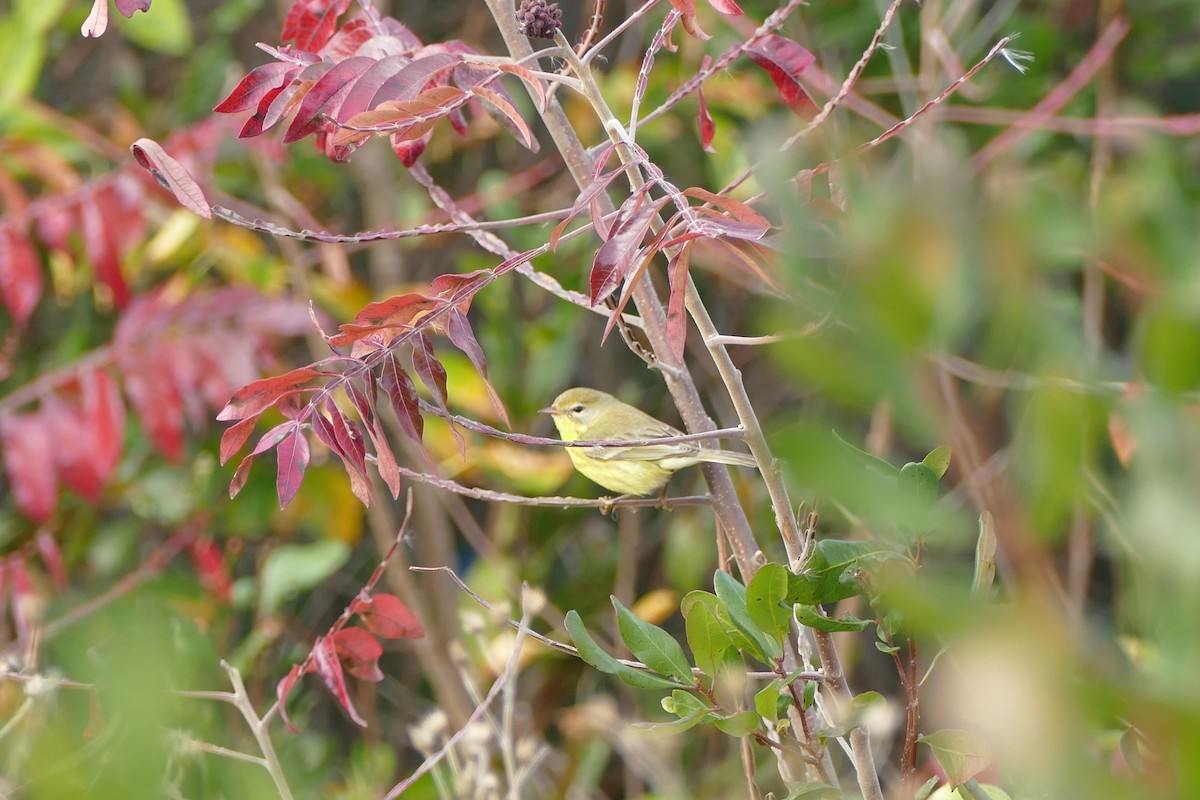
(647, 428)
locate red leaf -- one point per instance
(359, 652)
(100, 247)
(29, 462)
(284, 688)
(104, 416)
(256, 397)
(736, 208)
(72, 447)
(209, 562)
(254, 87)
(235, 436)
(56, 221)
(403, 394)
(429, 369)
(292, 454)
(677, 271)
(459, 330)
(364, 89)
(52, 558)
(584, 200)
(254, 125)
(385, 615)
(240, 475)
(508, 115)
(615, 257)
(412, 79)
(329, 668)
(685, 7)
(171, 175)
(325, 96)
(784, 61)
(347, 41)
(349, 440)
(156, 401)
(20, 274)
(286, 101)
(708, 128)
(357, 474)
(408, 151)
(311, 23)
(127, 7)
(726, 7)
(459, 288)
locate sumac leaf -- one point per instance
(293, 455)
(171, 175)
(20, 274)
(101, 249)
(258, 396)
(284, 688)
(386, 616)
(359, 652)
(403, 394)
(127, 7)
(514, 121)
(311, 23)
(708, 128)
(677, 276)
(235, 436)
(329, 667)
(28, 447)
(254, 87)
(784, 61)
(325, 96)
(726, 7)
(458, 329)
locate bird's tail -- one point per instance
(727, 457)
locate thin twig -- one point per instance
(1084, 71)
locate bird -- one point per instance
(593, 415)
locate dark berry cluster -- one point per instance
(538, 19)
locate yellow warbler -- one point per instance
(593, 415)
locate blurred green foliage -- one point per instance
(1073, 421)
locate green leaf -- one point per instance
(595, 655)
(919, 483)
(707, 637)
(938, 460)
(733, 597)
(813, 791)
(961, 754)
(740, 641)
(927, 788)
(766, 701)
(810, 617)
(682, 703)
(861, 701)
(886, 648)
(674, 726)
(830, 573)
(764, 600)
(874, 463)
(165, 29)
(985, 557)
(653, 646)
(293, 568)
(742, 723)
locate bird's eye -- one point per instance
(577, 409)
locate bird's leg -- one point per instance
(663, 502)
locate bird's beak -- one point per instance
(551, 410)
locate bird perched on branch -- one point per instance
(592, 415)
